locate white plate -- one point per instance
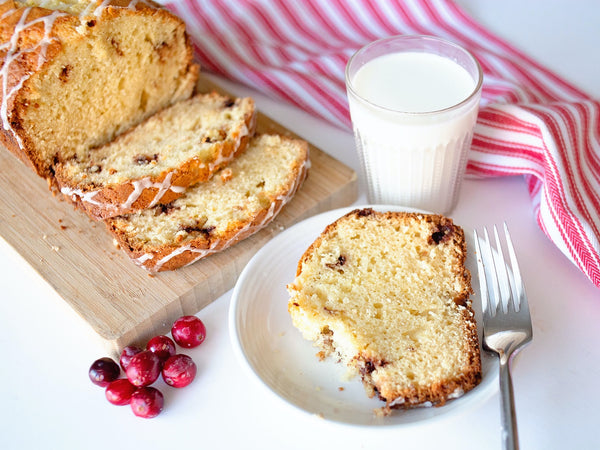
(275, 353)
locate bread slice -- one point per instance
(236, 203)
(156, 161)
(77, 73)
(388, 294)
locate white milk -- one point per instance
(412, 131)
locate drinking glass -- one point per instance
(413, 155)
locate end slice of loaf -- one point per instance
(156, 161)
(76, 74)
(237, 202)
(388, 294)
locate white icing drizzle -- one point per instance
(138, 187)
(132, 6)
(142, 259)
(396, 401)
(221, 158)
(243, 132)
(201, 253)
(219, 244)
(100, 9)
(87, 10)
(146, 183)
(86, 197)
(400, 400)
(457, 393)
(13, 53)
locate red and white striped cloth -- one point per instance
(531, 122)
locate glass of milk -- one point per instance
(413, 103)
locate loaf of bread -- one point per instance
(238, 201)
(156, 161)
(77, 73)
(388, 295)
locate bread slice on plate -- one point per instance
(156, 161)
(387, 293)
(76, 74)
(237, 202)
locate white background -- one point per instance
(47, 400)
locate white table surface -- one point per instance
(47, 400)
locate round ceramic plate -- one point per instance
(275, 353)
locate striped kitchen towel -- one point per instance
(531, 122)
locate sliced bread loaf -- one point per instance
(237, 202)
(75, 74)
(388, 294)
(156, 161)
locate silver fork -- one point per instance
(506, 319)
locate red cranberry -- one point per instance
(179, 371)
(143, 369)
(103, 371)
(163, 346)
(147, 402)
(119, 392)
(188, 331)
(126, 355)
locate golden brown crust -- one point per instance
(175, 255)
(113, 200)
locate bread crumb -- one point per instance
(55, 248)
(341, 388)
(226, 174)
(384, 411)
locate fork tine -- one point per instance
(485, 296)
(490, 306)
(516, 272)
(496, 303)
(503, 276)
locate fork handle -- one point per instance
(510, 440)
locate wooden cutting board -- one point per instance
(121, 302)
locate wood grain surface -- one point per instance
(121, 302)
